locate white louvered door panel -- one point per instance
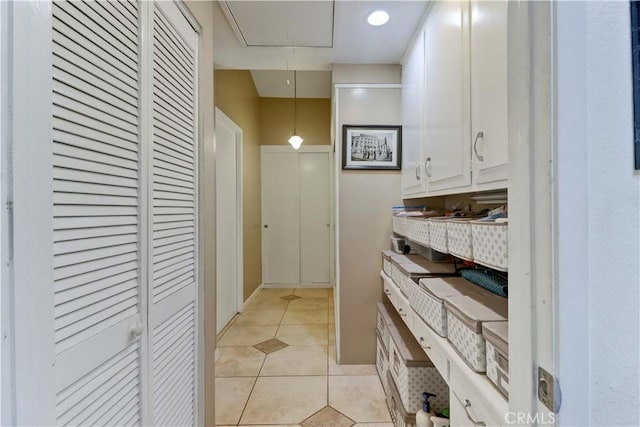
(172, 304)
(97, 199)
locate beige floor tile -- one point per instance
(276, 292)
(332, 316)
(335, 369)
(309, 304)
(260, 317)
(312, 292)
(246, 336)
(268, 304)
(303, 334)
(373, 425)
(231, 396)
(296, 360)
(296, 316)
(361, 398)
(285, 400)
(238, 362)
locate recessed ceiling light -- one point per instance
(378, 18)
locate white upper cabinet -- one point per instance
(489, 114)
(454, 101)
(413, 178)
(447, 155)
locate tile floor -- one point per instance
(276, 366)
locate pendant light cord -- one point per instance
(295, 101)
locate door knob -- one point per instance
(136, 328)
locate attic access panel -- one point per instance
(281, 23)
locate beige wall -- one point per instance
(364, 207)
(203, 13)
(237, 97)
(276, 120)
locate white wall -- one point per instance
(364, 200)
(598, 194)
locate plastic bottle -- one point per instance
(423, 416)
(440, 422)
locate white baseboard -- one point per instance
(296, 285)
(251, 297)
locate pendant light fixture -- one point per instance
(295, 140)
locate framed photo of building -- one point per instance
(372, 147)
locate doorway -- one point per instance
(229, 250)
(296, 216)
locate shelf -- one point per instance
(465, 383)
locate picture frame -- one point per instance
(372, 147)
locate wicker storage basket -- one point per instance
(438, 234)
(428, 300)
(490, 244)
(459, 240)
(465, 316)
(497, 336)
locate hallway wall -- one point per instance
(276, 121)
(364, 208)
(264, 121)
(237, 97)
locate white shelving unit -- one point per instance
(473, 399)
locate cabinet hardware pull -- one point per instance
(387, 292)
(427, 166)
(402, 313)
(467, 405)
(475, 145)
(417, 171)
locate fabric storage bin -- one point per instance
(465, 316)
(413, 373)
(438, 233)
(415, 269)
(459, 240)
(386, 261)
(418, 231)
(399, 225)
(496, 335)
(399, 415)
(381, 363)
(428, 300)
(387, 318)
(490, 243)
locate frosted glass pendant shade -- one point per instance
(295, 141)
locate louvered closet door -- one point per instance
(173, 206)
(96, 185)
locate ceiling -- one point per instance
(311, 35)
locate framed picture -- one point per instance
(371, 147)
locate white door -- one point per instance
(315, 217)
(228, 220)
(296, 214)
(448, 156)
(173, 206)
(98, 285)
(280, 218)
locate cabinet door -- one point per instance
(447, 109)
(413, 179)
(489, 113)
